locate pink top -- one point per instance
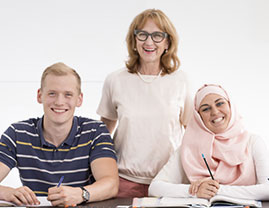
(228, 154)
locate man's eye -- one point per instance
(51, 94)
(68, 95)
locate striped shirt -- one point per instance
(41, 164)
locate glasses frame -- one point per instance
(165, 35)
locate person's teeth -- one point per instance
(150, 50)
(59, 111)
(217, 120)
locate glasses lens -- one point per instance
(142, 36)
(158, 36)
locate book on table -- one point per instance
(43, 202)
(216, 201)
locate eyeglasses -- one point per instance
(157, 37)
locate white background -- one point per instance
(221, 41)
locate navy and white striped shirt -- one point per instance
(41, 164)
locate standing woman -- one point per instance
(150, 100)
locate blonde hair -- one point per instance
(60, 69)
(169, 60)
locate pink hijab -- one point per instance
(228, 154)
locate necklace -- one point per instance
(149, 78)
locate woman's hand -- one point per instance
(204, 188)
(195, 186)
(208, 189)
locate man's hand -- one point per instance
(105, 172)
(65, 196)
(19, 196)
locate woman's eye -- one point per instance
(142, 35)
(205, 109)
(219, 104)
(157, 35)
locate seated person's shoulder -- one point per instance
(95, 133)
(256, 139)
(29, 122)
(29, 125)
(88, 123)
(90, 129)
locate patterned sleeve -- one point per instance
(8, 147)
(102, 145)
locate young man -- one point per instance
(59, 144)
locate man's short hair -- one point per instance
(60, 69)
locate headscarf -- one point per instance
(228, 153)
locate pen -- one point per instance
(208, 167)
(60, 181)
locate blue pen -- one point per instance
(60, 181)
(208, 167)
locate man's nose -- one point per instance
(59, 100)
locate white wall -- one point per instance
(221, 41)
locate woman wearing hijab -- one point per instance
(238, 160)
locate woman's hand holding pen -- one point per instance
(208, 189)
(195, 186)
(204, 188)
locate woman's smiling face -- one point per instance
(150, 51)
(215, 112)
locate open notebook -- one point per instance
(218, 200)
(43, 202)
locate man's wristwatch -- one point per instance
(85, 195)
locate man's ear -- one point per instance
(39, 94)
(80, 100)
